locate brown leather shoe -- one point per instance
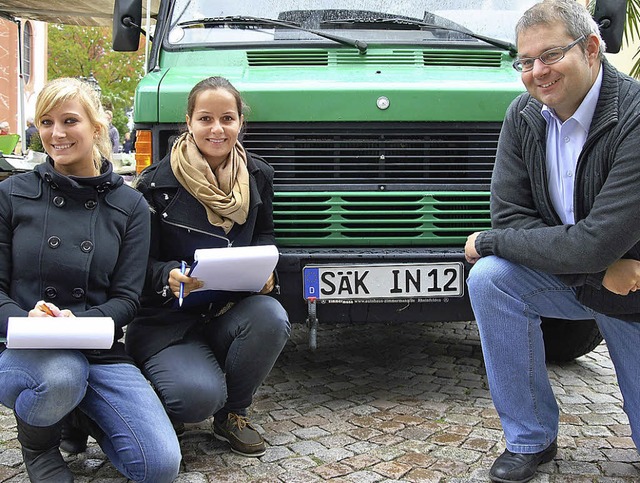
(241, 436)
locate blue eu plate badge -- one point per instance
(311, 282)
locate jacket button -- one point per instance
(86, 246)
(77, 293)
(58, 201)
(50, 293)
(54, 242)
(90, 204)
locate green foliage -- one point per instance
(76, 51)
(35, 143)
(632, 32)
(120, 122)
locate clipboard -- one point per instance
(234, 269)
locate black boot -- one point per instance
(74, 439)
(41, 455)
(81, 426)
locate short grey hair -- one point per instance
(573, 15)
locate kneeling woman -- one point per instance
(208, 357)
(73, 243)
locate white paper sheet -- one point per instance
(235, 268)
(60, 332)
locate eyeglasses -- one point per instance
(548, 57)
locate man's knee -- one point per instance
(486, 273)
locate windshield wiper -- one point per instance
(501, 44)
(257, 21)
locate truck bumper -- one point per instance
(290, 273)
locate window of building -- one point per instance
(27, 52)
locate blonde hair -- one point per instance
(65, 89)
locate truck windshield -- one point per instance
(352, 22)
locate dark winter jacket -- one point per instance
(80, 243)
(179, 226)
(526, 228)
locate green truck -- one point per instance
(381, 120)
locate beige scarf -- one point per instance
(224, 192)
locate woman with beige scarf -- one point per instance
(209, 356)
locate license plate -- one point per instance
(383, 282)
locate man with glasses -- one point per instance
(564, 243)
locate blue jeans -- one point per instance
(220, 366)
(508, 300)
(43, 386)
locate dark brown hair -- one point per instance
(213, 83)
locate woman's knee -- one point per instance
(193, 399)
(166, 469)
(53, 388)
(160, 464)
(272, 319)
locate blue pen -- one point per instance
(183, 268)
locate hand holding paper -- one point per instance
(234, 268)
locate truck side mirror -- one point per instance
(127, 18)
(610, 16)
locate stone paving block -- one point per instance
(296, 463)
(362, 447)
(578, 468)
(364, 477)
(279, 439)
(422, 475)
(392, 469)
(299, 477)
(276, 454)
(336, 440)
(192, 478)
(416, 433)
(310, 433)
(7, 472)
(626, 470)
(361, 461)
(386, 439)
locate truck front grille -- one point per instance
(377, 156)
(376, 184)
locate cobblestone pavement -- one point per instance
(389, 402)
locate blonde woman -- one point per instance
(74, 241)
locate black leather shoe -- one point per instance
(518, 467)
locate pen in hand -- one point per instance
(183, 268)
(45, 308)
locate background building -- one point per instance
(21, 42)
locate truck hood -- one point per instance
(325, 85)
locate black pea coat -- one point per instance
(80, 243)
